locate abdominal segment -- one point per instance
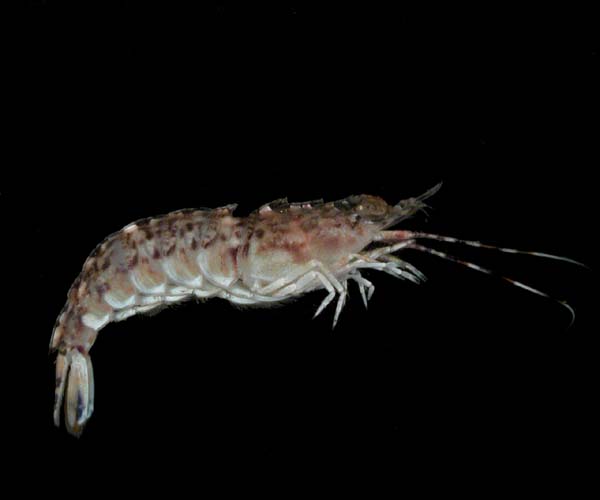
(145, 265)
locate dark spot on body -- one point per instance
(76, 283)
(105, 264)
(156, 253)
(189, 226)
(208, 237)
(170, 250)
(309, 224)
(259, 233)
(245, 249)
(222, 237)
(133, 262)
(279, 226)
(149, 234)
(233, 253)
(194, 244)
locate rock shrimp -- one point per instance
(279, 251)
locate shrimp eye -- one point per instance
(372, 207)
(369, 207)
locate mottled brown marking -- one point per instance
(309, 223)
(278, 226)
(296, 249)
(282, 229)
(233, 253)
(245, 249)
(102, 289)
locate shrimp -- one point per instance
(279, 251)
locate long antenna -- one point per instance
(475, 267)
(401, 235)
(478, 244)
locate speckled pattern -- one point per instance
(279, 251)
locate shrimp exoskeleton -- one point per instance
(277, 252)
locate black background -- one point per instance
(132, 111)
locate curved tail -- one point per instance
(75, 379)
